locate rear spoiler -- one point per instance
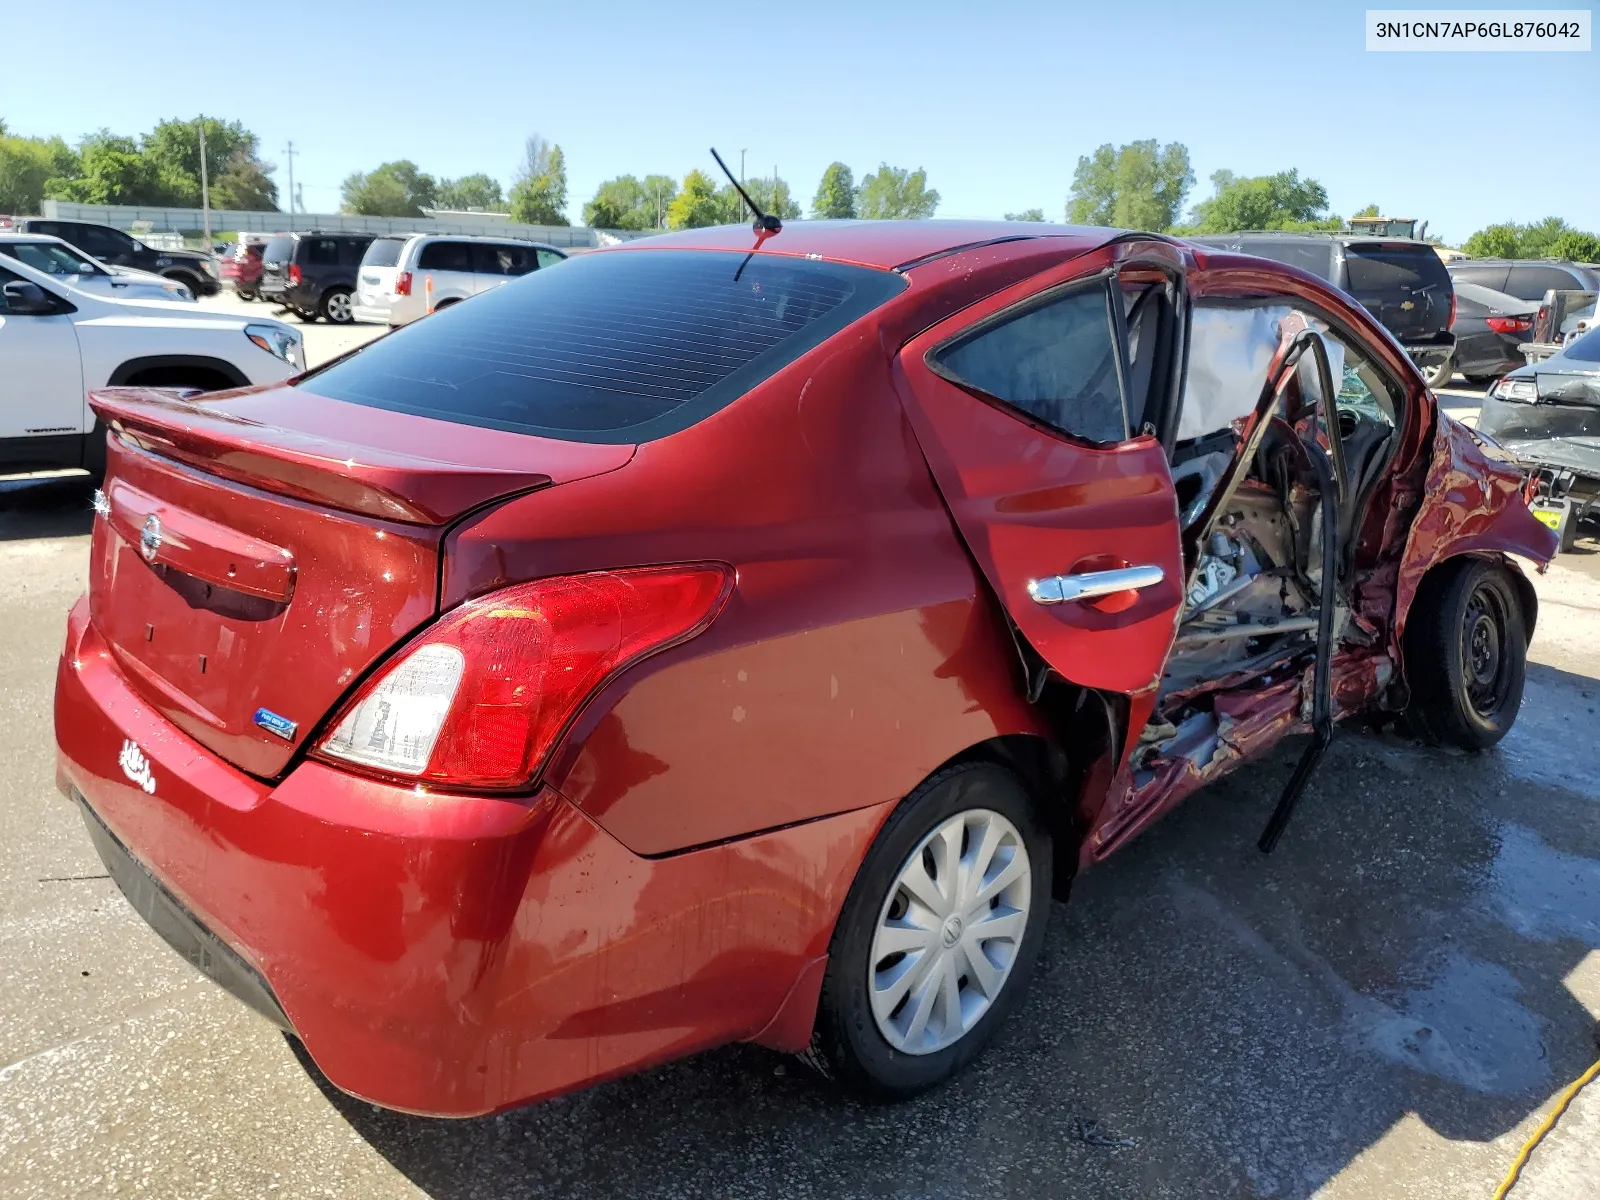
(378, 481)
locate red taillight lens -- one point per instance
(294, 273)
(480, 698)
(1452, 323)
(402, 284)
(1509, 324)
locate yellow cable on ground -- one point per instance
(1545, 1127)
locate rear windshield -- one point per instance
(620, 346)
(1314, 258)
(279, 249)
(384, 252)
(1375, 268)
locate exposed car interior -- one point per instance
(1253, 526)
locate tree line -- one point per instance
(161, 167)
(1142, 185)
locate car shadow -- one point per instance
(1205, 1021)
(57, 506)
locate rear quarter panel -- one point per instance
(858, 651)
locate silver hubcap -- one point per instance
(339, 308)
(949, 932)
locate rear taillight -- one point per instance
(1509, 324)
(1452, 322)
(478, 700)
(294, 273)
(402, 284)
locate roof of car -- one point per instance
(496, 239)
(883, 244)
(1521, 262)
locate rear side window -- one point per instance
(384, 252)
(446, 256)
(1057, 362)
(321, 252)
(549, 258)
(279, 250)
(502, 260)
(617, 346)
(1375, 268)
(1586, 348)
(352, 250)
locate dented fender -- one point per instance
(1474, 502)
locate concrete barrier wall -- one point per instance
(123, 216)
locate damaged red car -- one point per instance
(742, 636)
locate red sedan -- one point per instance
(744, 636)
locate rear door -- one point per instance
(1030, 409)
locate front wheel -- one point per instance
(1466, 650)
(938, 936)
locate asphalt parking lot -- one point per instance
(1386, 1007)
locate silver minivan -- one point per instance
(406, 276)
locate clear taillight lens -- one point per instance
(1525, 391)
(479, 700)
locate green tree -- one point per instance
(27, 164)
(1141, 185)
(539, 193)
(244, 184)
(1027, 214)
(1370, 210)
(696, 204)
(1549, 238)
(630, 203)
(836, 194)
(111, 171)
(895, 194)
(772, 196)
(471, 191)
(1281, 201)
(395, 189)
(173, 150)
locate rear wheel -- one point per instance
(1466, 650)
(304, 314)
(337, 308)
(1440, 375)
(938, 936)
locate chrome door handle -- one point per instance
(1062, 589)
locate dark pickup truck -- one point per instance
(197, 271)
(1401, 282)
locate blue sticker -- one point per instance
(273, 723)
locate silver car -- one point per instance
(403, 277)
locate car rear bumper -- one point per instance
(447, 955)
(371, 314)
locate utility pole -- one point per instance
(205, 188)
(289, 154)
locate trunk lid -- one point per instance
(256, 554)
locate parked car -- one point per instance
(1402, 283)
(197, 271)
(400, 276)
(1526, 279)
(313, 274)
(65, 261)
(1548, 415)
(242, 268)
(59, 340)
(1489, 328)
(725, 638)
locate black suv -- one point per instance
(314, 274)
(1402, 283)
(196, 270)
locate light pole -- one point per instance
(205, 188)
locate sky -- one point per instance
(995, 100)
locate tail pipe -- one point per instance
(1322, 685)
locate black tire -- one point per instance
(336, 308)
(847, 1043)
(247, 296)
(1440, 376)
(304, 315)
(188, 281)
(1466, 649)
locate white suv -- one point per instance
(406, 277)
(58, 342)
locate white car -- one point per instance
(58, 342)
(405, 277)
(72, 266)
